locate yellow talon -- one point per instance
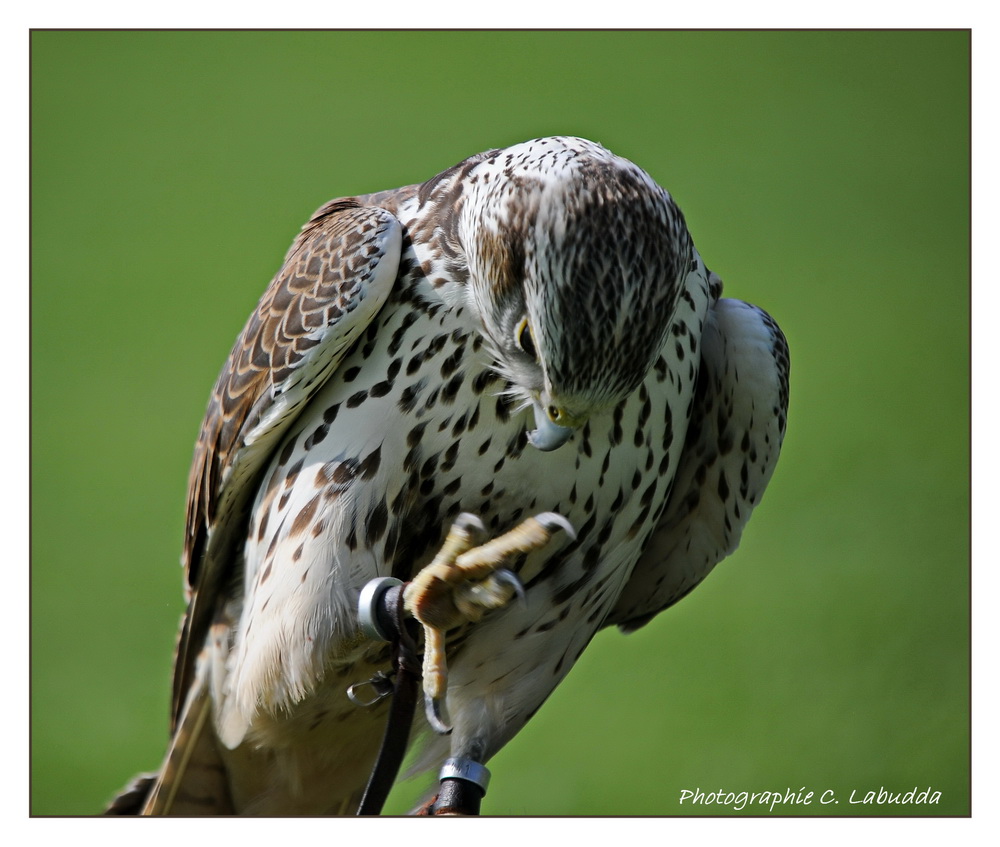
(461, 584)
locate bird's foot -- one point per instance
(464, 581)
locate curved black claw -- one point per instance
(508, 577)
(553, 521)
(469, 524)
(434, 709)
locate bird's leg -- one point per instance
(462, 583)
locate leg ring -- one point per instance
(463, 784)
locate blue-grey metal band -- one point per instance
(368, 601)
(459, 767)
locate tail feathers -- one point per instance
(133, 796)
(193, 779)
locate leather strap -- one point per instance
(404, 701)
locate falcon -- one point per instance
(517, 389)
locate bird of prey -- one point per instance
(526, 348)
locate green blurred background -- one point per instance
(824, 175)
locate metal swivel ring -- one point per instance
(371, 611)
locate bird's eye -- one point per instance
(525, 340)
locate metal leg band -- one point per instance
(463, 784)
(459, 767)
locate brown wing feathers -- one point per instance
(322, 280)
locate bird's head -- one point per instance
(576, 264)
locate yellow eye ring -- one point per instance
(525, 340)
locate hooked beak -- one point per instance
(547, 435)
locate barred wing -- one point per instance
(335, 279)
